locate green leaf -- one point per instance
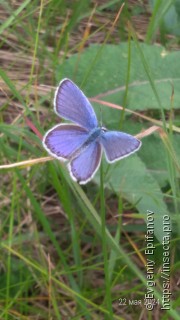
(171, 19)
(155, 161)
(134, 182)
(106, 74)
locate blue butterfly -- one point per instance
(81, 143)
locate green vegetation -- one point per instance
(78, 252)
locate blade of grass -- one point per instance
(66, 200)
(94, 219)
(12, 87)
(149, 75)
(10, 241)
(127, 83)
(10, 20)
(44, 222)
(113, 255)
(35, 51)
(108, 297)
(169, 154)
(46, 226)
(159, 11)
(61, 284)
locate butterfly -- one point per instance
(81, 143)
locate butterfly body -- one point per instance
(94, 134)
(82, 142)
(91, 138)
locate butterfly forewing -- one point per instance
(70, 103)
(64, 140)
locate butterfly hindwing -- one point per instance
(118, 145)
(84, 167)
